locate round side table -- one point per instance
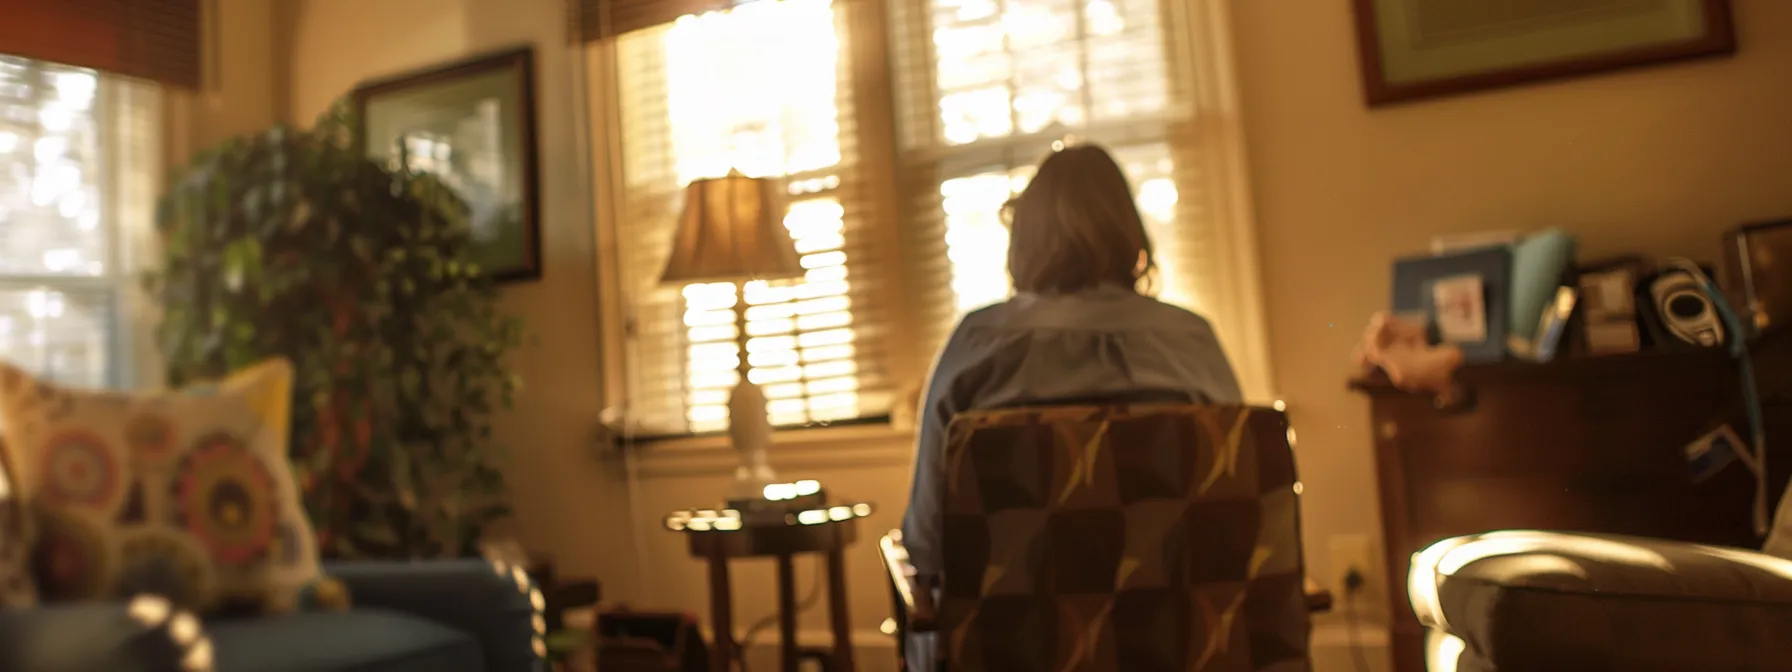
(718, 536)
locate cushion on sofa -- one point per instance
(1530, 600)
(360, 640)
(185, 494)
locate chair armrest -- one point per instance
(915, 592)
(143, 635)
(498, 605)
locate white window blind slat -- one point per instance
(763, 88)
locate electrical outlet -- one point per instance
(1351, 552)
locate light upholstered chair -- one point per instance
(1535, 600)
(1115, 538)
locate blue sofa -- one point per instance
(446, 616)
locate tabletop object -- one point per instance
(779, 528)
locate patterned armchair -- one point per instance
(1135, 538)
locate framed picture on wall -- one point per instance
(1413, 49)
(471, 124)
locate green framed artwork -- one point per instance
(1413, 49)
(471, 124)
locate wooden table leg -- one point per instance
(721, 614)
(787, 612)
(838, 617)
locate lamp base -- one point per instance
(750, 481)
(751, 432)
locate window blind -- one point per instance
(593, 20)
(986, 88)
(764, 88)
(158, 40)
(78, 157)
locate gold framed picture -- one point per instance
(1415, 49)
(471, 124)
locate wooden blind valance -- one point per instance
(153, 39)
(594, 20)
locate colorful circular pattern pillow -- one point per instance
(183, 494)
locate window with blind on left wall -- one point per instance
(762, 88)
(78, 178)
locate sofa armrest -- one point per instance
(498, 605)
(143, 635)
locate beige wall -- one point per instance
(240, 84)
(572, 502)
(1658, 160)
(562, 496)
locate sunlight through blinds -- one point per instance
(77, 168)
(761, 88)
(986, 87)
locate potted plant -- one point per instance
(292, 243)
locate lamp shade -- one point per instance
(731, 230)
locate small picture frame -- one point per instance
(1476, 287)
(1460, 306)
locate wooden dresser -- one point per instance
(1581, 444)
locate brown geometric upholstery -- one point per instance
(1134, 539)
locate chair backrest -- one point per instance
(1123, 538)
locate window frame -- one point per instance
(864, 60)
(1202, 107)
(1202, 96)
(113, 289)
(923, 150)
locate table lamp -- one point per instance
(732, 230)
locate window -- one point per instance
(990, 86)
(75, 173)
(762, 89)
(959, 100)
(977, 240)
(985, 88)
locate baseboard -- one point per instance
(1326, 637)
(861, 639)
(1330, 635)
(1335, 647)
(1340, 635)
(581, 619)
(1336, 635)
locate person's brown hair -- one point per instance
(1076, 226)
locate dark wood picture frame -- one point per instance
(519, 61)
(1718, 39)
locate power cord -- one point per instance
(1353, 587)
(802, 607)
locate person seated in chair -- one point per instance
(1082, 327)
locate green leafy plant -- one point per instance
(293, 243)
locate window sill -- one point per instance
(862, 446)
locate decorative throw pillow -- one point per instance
(15, 541)
(185, 494)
